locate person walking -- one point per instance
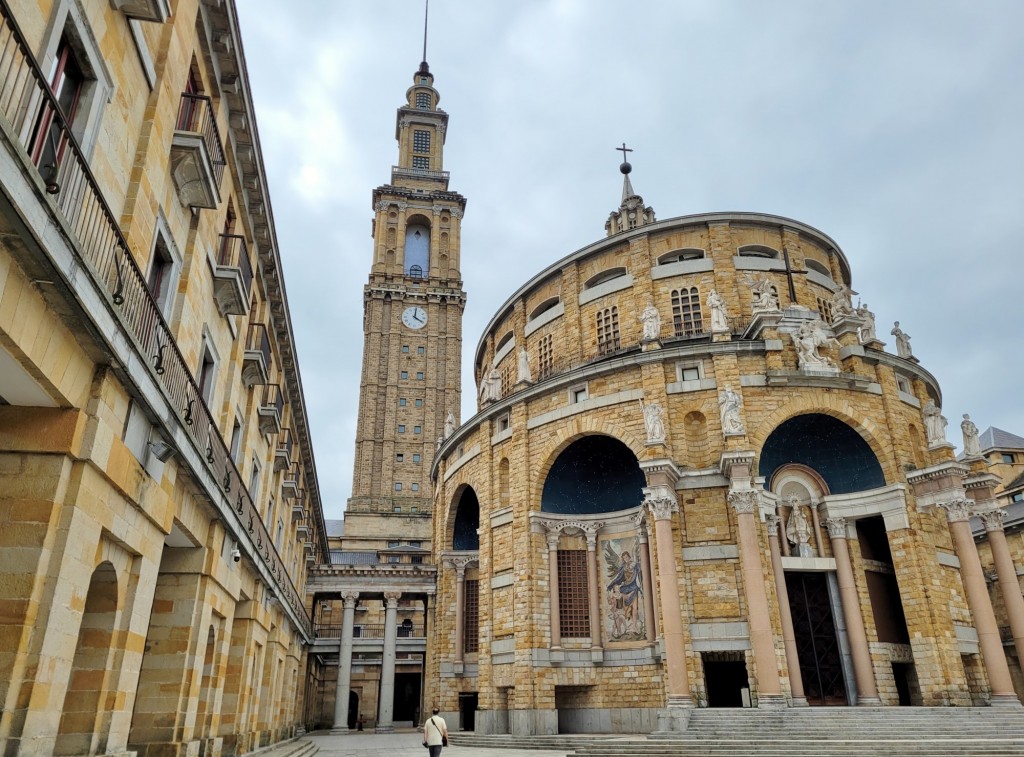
(435, 734)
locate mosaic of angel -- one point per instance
(624, 591)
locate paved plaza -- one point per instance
(405, 744)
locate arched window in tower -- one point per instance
(417, 248)
(686, 315)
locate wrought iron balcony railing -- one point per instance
(256, 358)
(197, 152)
(283, 451)
(271, 409)
(232, 277)
(26, 102)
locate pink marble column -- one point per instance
(662, 503)
(796, 680)
(991, 646)
(762, 641)
(594, 593)
(1006, 572)
(556, 623)
(645, 562)
(863, 672)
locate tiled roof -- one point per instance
(339, 557)
(996, 438)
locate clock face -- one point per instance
(414, 317)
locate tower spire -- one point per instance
(426, 15)
(631, 212)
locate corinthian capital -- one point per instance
(992, 519)
(392, 598)
(956, 510)
(350, 598)
(661, 501)
(836, 527)
(771, 522)
(744, 501)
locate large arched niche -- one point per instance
(467, 520)
(594, 474)
(825, 445)
(417, 247)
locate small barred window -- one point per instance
(608, 329)
(420, 141)
(420, 162)
(506, 379)
(423, 100)
(471, 618)
(686, 315)
(546, 363)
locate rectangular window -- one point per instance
(578, 394)
(423, 100)
(419, 403)
(398, 486)
(404, 374)
(254, 481)
(161, 279)
(401, 428)
(503, 422)
(1008, 458)
(207, 374)
(546, 362)
(421, 350)
(416, 544)
(420, 141)
(405, 348)
(415, 487)
(399, 457)
(689, 373)
(686, 315)
(236, 440)
(416, 457)
(393, 544)
(471, 617)
(903, 384)
(608, 329)
(402, 402)
(419, 375)
(417, 429)
(397, 509)
(1018, 497)
(420, 162)
(573, 596)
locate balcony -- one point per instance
(271, 409)
(283, 451)
(299, 506)
(197, 153)
(307, 547)
(400, 172)
(143, 10)
(232, 277)
(302, 529)
(292, 482)
(256, 358)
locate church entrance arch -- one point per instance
(595, 474)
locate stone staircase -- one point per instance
(804, 732)
(298, 747)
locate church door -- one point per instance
(816, 640)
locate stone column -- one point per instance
(386, 705)
(648, 578)
(796, 681)
(979, 602)
(662, 502)
(556, 623)
(1006, 572)
(460, 609)
(863, 673)
(341, 692)
(769, 689)
(595, 603)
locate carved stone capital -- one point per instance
(437, 209)
(552, 539)
(591, 541)
(661, 501)
(460, 563)
(350, 598)
(992, 519)
(956, 510)
(381, 206)
(402, 205)
(456, 212)
(744, 501)
(392, 598)
(836, 527)
(771, 522)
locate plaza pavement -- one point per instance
(405, 743)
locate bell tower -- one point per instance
(412, 326)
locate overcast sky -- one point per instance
(897, 128)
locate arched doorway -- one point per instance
(354, 721)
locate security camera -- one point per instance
(236, 554)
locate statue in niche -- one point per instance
(651, 320)
(729, 404)
(866, 331)
(653, 422)
(972, 444)
(808, 339)
(490, 387)
(449, 424)
(842, 302)
(524, 367)
(766, 299)
(934, 424)
(798, 529)
(719, 317)
(902, 341)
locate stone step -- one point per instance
(297, 747)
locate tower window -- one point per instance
(404, 374)
(421, 350)
(402, 402)
(417, 429)
(420, 162)
(419, 403)
(423, 100)
(686, 316)
(399, 457)
(546, 364)
(401, 428)
(416, 457)
(415, 487)
(405, 348)
(608, 329)
(398, 486)
(419, 375)
(421, 141)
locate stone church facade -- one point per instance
(698, 477)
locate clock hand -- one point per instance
(416, 316)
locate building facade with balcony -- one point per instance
(157, 483)
(698, 478)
